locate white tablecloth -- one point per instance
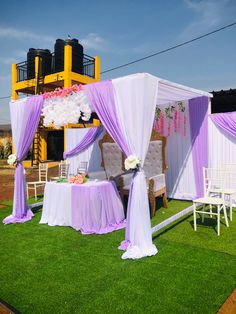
(92, 207)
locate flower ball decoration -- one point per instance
(12, 159)
(132, 163)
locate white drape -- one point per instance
(17, 111)
(92, 154)
(222, 146)
(180, 174)
(136, 98)
(222, 151)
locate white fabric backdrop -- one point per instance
(222, 146)
(92, 154)
(222, 151)
(136, 98)
(180, 175)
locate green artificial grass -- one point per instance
(57, 270)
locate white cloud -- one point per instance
(208, 15)
(8, 60)
(94, 41)
(12, 33)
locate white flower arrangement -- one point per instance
(132, 162)
(12, 159)
(60, 111)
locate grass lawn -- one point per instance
(57, 270)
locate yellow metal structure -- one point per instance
(65, 78)
(50, 82)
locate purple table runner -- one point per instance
(96, 208)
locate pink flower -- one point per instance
(175, 121)
(185, 125)
(71, 180)
(79, 179)
(169, 127)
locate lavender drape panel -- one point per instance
(102, 97)
(226, 121)
(122, 105)
(28, 123)
(88, 139)
(198, 108)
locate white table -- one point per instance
(92, 207)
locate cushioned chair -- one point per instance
(43, 178)
(154, 167)
(112, 159)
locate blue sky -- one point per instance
(122, 31)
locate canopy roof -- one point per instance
(170, 92)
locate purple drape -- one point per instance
(198, 108)
(86, 141)
(101, 96)
(226, 121)
(30, 119)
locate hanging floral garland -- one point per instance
(65, 105)
(172, 118)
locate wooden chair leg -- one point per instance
(27, 191)
(152, 201)
(165, 201)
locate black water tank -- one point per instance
(46, 56)
(77, 55)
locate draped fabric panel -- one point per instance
(136, 98)
(87, 140)
(222, 146)
(180, 185)
(226, 121)
(25, 116)
(91, 154)
(127, 112)
(222, 152)
(198, 117)
(102, 99)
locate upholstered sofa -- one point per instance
(154, 167)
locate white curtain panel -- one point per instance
(92, 154)
(222, 152)
(136, 98)
(17, 110)
(180, 175)
(222, 146)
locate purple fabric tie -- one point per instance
(226, 121)
(88, 139)
(198, 117)
(32, 112)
